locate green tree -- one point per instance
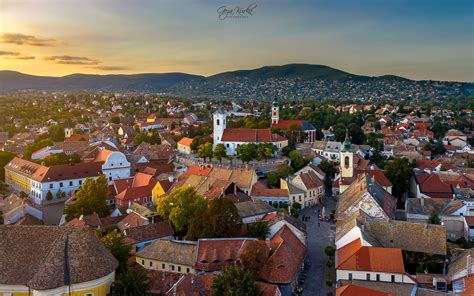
(205, 151)
(254, 256)
(399, 171)
(5, 158)
(434, 218)
(37, 145)
(246, 152)
(259, 229)
(114, 242)
(180, 206)
(265, 150)
(133, 282)
(282, 171)
(221, 219)
(329, 251)
(235, 281)
(56, 133)
(115, 120)
(220, 152)
(90, 198)
(295, 209)
(297, 160)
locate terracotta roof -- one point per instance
(178, 252)
(77, 137)
(392, 289)
(250, 135)
(148, 232)
(353, 290)
(40, 265)
(103, 154)
(273, 192)
(311, 180)
(212, 254)
(185, 141)
(286, 258)
(431, 185)
(192, 285)
(389, 260)
(132, 220)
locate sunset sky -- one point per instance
(430, 39)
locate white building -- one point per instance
(234, 137)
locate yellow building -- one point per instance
(168, 255)
(53, 260)
(161, 187)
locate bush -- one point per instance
(330, 263)
(329, 251)
(49, 195)
(329, 283)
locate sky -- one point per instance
(417, 39)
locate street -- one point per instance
(317, 239)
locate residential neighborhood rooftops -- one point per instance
(253, 207)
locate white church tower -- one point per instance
(347, 159)
(219, 125)
(275, 112)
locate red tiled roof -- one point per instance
(375, 259)
(353, 290)
(431, 185)
(275, 192)
(197, 170)
(251, 135)
(212, 254)
(378, 175)
(185, 141)
(286, 258)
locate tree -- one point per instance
(61, 158)
(180, 206)
(282, 171)
(89, 199)
(205, 151)
(114, 242)
(329, 251)
(49, 195)
(254, 256)
(295, 209)
(234, 281)
(37, 145)
(115, 120)
(265, 150)
(220, 152)
(259, 229)
(434, 218)
(398, 171)
(355, 133)
(329, 169)
(297, 160)
(5, 158)
(56, 133)
(221, 219)
(246, 152)
(133, 282)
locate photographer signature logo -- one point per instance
(236, 12)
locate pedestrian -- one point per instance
(319, 224)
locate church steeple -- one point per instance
(275, 111)
(347, 145)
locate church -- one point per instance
(234, 137)
(351, 166)
(308, 130)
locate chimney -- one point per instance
(422, 202)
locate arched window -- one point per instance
(346, 162)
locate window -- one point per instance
(378, 277)
(393, 279)
(368, 276)
(144, 199)
(350, 276)
(218, 122)
(172, 267)
(50, 186)
(89, 294)
(80, 182)
(151, 264)
(163, 266)
(187, 269)
(179, 268)
(346, 162)
(110, 178)
(61, 184)
(143, 262)
(70, 183)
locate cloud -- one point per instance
(72, 60)
(111, 68)
(15, 55)
(22, 39)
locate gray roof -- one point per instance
(253, 207)
(41, 265)
(425, 206)
(459, 261)
(177, 252)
